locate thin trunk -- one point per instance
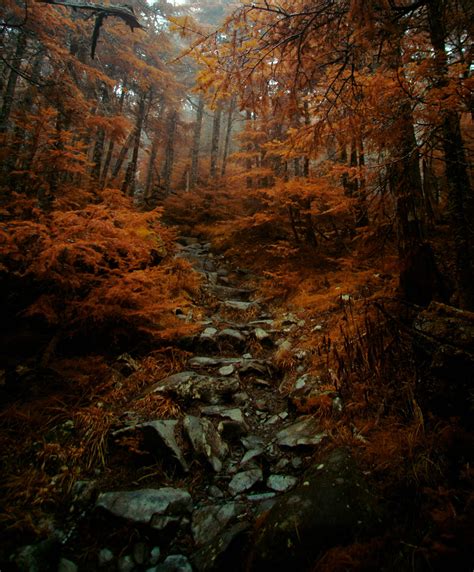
(9, 95)
(248, 148)
(168, 164)
(122, 155)
(228, 131)
(216, 129)
(193, 177)
(128, 186)
(362, 218)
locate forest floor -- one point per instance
(281, 368)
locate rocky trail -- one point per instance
(239, 486)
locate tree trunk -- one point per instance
(228, 131)
(128, 186)
(168, 164)
(216, 128)
(193, 177)
(9, 95)
(110, 150)
(459, 187)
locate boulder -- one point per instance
(209, 521)
(332, 506)
(303, 432)
(224, 552)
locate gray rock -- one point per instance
(250, 455)
(189, 386)
(233, 337)
(205, 361)
(228, 292)
(66, 565)
(126, 564)
(219, 554)
(256, 366)
(209, 521)
(155, 555)
(238, 305)
(303, 432)
(245, 480)
(205, 441)
(162, 433)
(226, 370)
(173, 563)
(332, 507)
(281, 483)
(105, 556)
(143, 505)
(253, 442)
(227, 413)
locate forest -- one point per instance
(237, 286)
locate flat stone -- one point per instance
(261, 335)
(209, 521)
(226, 370)
(155, 555)
(191, 386)
(245, 480)
(249, 455)
(206, 441)
(228, 292)
(205, 361)
(221, 411)
(231, 335)
(303, 432)
(239, 305)
(281, 483)
(141, 506)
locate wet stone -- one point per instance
(245, 480)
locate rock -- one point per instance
(146, 505)
(253, 442)
(206, 441)
(232, 430)
(191, 386)
(204, 361)
(162, 434)
(126, 564)
(303, 432)
(173, 563)
(232, 337)
(250, 455)
(281, 483)
(105, 556)
(262, 335)
(40, 557)
(332, 507)
(126, 364)
(224, 552)
(155, 555)
(226, 370)
(209, 521)
(225, 412)
(256, 366)
(66, 565)
(245, 480)
(240, 306)
(83, 491)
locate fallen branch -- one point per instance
(123, 12)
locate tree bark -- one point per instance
(230, 117)
(168, 164)
(9, 96)
(193, 176)
(459, 187)
(216, 128)
(128, 186)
